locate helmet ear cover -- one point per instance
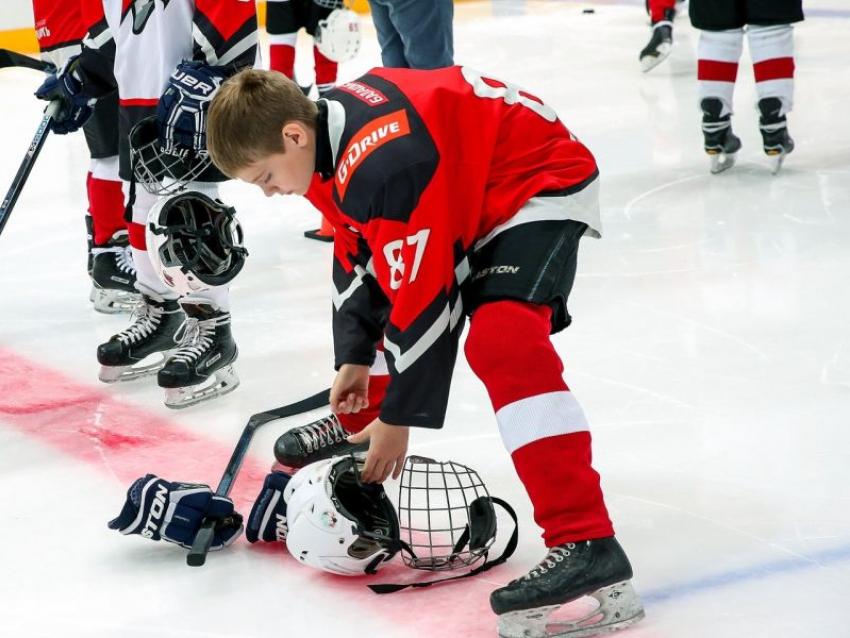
(368, 504)
(336, 522)
(482, 523)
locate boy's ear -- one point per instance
(296, 133)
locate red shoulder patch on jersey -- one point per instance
(367, 94)
(365, 142)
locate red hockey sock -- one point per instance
(325, 70)
(658, 7)
(106, 207)
(542, 425)
(137, 236)
(282, 58)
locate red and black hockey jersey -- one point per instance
(58, 24)
(413, 168)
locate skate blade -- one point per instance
(721, 162)
(122, 374)
(113, 302)
(776, 162)
(222, 382)
(619, 608)
(649, 62)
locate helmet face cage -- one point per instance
(161, 173)
(436, 505)
(330, 4)
(202, 238)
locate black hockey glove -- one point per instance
(267, 521)
(182, 109)
(174, 512)
(66, 85)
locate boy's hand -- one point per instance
(387, 449)
(350, 389)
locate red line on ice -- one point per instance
(87, 424)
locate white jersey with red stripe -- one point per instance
(153, 36)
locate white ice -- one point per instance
(710, 349)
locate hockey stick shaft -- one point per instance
(12, 58)
(204, 538)
(8, 202)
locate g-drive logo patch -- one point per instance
(366, 141)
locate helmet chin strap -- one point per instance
(510, 548)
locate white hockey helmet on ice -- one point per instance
(194, 242)
(338, 524)
(338, 36)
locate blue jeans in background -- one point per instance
(415, 34)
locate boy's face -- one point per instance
(287, 173)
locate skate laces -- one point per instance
(145, 319)
(322, 433)
(124, 261)
(197, 337)
(555, 556)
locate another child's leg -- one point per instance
(283, 34)
(719, 52)
(772, 51)
(662, 13)
(326, 71)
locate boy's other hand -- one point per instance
(350, 389)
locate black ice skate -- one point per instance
(90, 242)
(202, 368)
(152, 332)
(774, 132)
(660, 44)
(720, 143)
(597, 568)
(114, 276)
(313, 442)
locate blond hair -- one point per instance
(247, 116)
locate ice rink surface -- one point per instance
(710, 349)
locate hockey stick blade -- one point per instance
(203, 539)
(23, 173)
(12, 58)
